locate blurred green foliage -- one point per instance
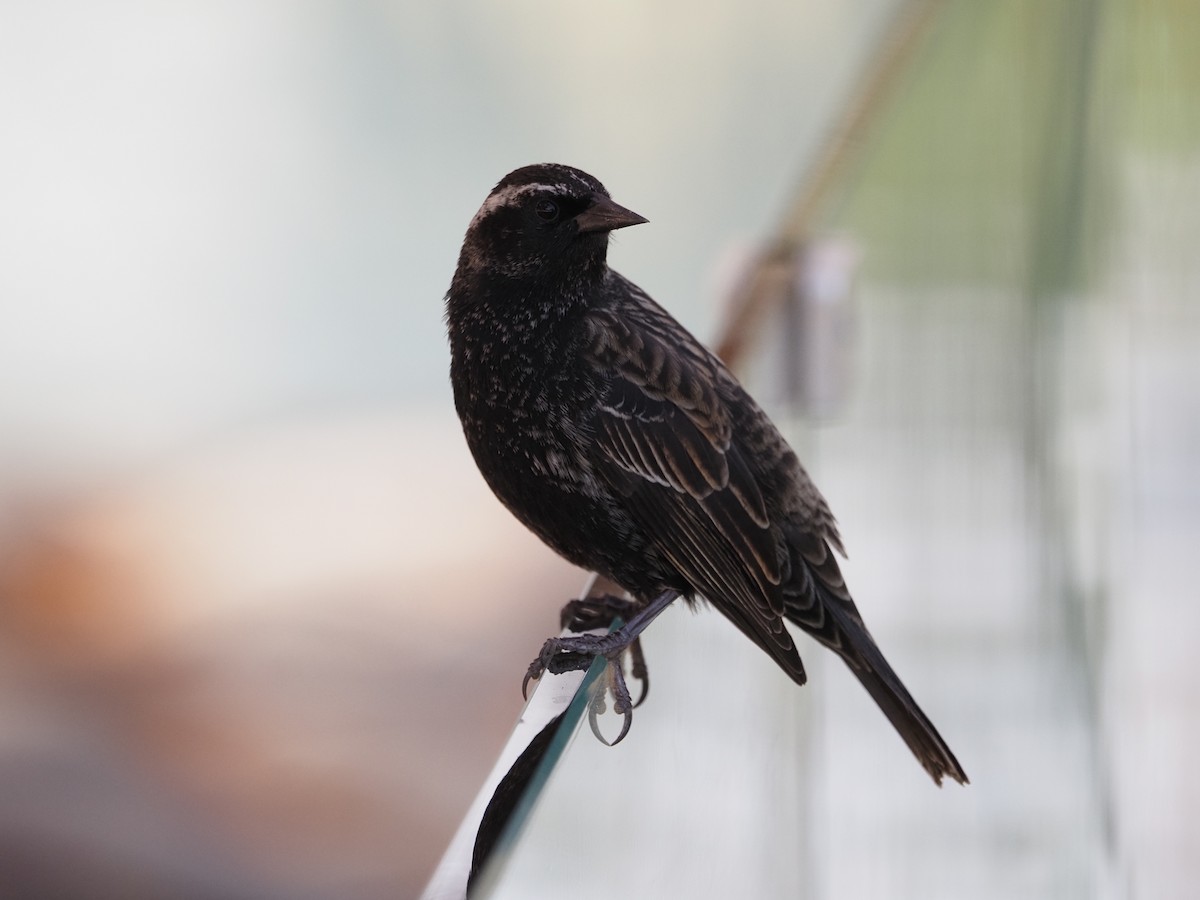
(996, 162)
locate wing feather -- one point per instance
(712, 569)
(663, 437)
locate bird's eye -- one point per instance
(547, 210)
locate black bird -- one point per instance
(631, 450)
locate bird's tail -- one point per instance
(835, 622)
(887, 690)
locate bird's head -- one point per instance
(543, 216)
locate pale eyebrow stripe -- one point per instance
(504, 197)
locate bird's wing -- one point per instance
(663, 439)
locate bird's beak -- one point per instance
(604, 215)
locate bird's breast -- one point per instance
(525, 406)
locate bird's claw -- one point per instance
(637, 668)
(563, 654)
(570, 654)
(613, 682)
(533, 673)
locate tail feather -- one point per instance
(835, 622)
(902, 711)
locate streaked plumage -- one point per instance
(630, 449)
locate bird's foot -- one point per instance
(586, 614)
(571, 653)
(575, 652)
(589, 613)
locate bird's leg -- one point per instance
(567, 654)
(574, 652)
(588, 613)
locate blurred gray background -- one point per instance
(262, 626)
